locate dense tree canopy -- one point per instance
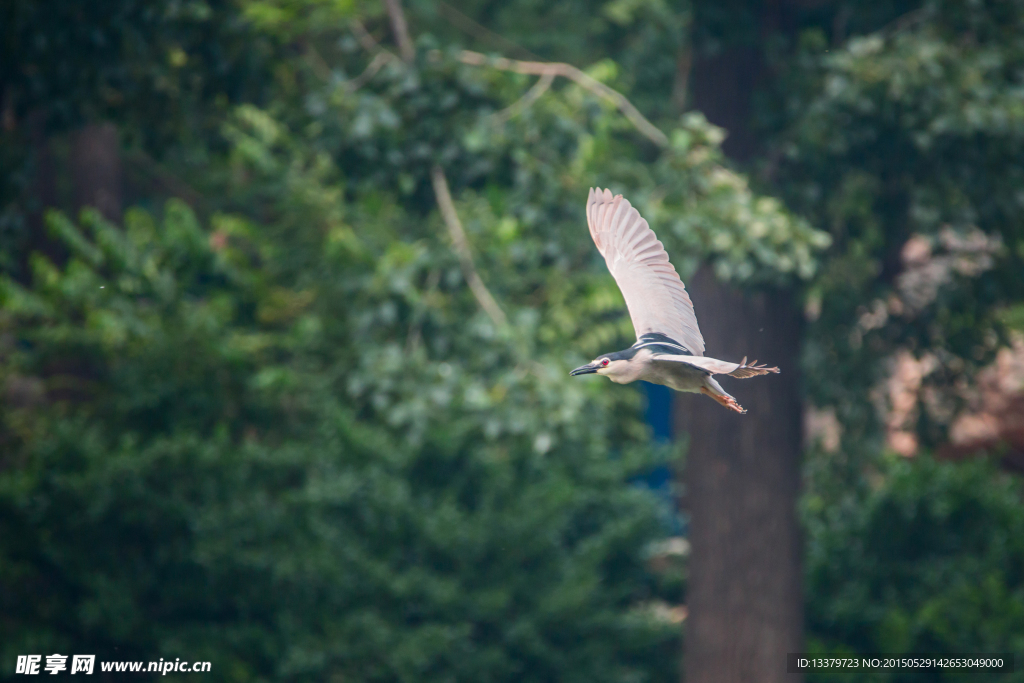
(289, 416)
(276, 430)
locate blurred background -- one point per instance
(290, 290)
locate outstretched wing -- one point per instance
(713, 366)
(654, 294)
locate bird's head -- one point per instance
(615, 369)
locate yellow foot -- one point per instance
(724, 400)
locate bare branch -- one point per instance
(415, 336)
(547, 70)
(481, 32)
(143, 165)
(368, 42)
(380, 57)
(400, 29)
(319, 65)
(648, 129)
(681, 82)
(370, 71)
(524, 102)
(458, 235)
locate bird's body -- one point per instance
(669, 349)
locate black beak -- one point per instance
(588, 369)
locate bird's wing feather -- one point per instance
(709, 365)
(741, 370)
(654, 294)
(693, 361)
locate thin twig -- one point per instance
(412, 341)
(544, 69)
(481, 32)
(400, 29)
(368, 42)
(458, 235)
(648, 129)
(527, 100)
(380, 57)
(167, 181)
(681, 82)
(375, 65)
(902, 23)
(320, 66)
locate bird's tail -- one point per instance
(746, 369)
(714, 390)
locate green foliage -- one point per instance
(208, 481)
(909, 135)
(644, 39)
(290, 442)
(917, 129)
(931, 560)
(158, 67)
(275, 430)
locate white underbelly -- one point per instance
(681, 377)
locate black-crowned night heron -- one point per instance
(669, 349)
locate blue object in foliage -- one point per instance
(658, 414)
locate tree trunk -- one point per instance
(42, 194)
(96, 170)
(742, 477)
(722, 90)
(745, 595)
(94, 167)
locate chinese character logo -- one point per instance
(28, 664)
(55, 663)
(82, 664)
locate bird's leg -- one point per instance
(724, 399)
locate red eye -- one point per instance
(605, 363)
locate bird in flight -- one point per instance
(669, 349)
